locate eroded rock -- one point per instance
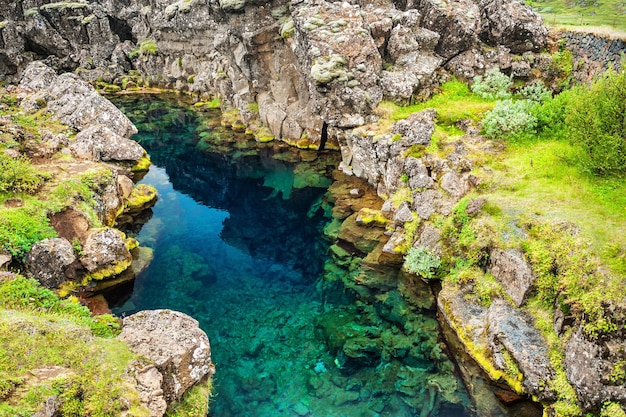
(513, 272)
(175, 343)
(105, 253)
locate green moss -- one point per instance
(371, 217)
(141, 195)
(22, 227)
(195, 402)
(142, 164)
(109, 271)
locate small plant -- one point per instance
(536, 92)
(422, 261)
(18, 175)
(510, 120)
(144, 48)
(404, 178)
(494, 85)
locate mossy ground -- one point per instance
(54, 348)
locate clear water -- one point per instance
(238, 244)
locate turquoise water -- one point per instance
(238, 243)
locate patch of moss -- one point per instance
(142, 164)
(110, 271)
(195, 402)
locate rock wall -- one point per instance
(594, 54)
(303, 69)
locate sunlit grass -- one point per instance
(607, 17)
(541, 179)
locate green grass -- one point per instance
(541, 178)
(606, 16)
(455, 102)
(40, 331)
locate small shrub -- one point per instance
(597, 121)
(510, 120)
(144, 48)
(18, 175)
(422, 261)
(494, 85)
(536, 92)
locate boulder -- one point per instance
(588, 364)
(513, 272)
(74, 102)
(105, 253)
(99, 143)
(176, 345)
(51, 262)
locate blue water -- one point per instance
(238, 244)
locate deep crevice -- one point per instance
(121, 29)
(324, 137)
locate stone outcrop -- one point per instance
(176, 346)
(309, 68)
(105, 254)
(513, 272)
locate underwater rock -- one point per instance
(175, 343)
(51, 262)
(363, 238)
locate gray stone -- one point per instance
(512, 330)
(51, 262)
(513, 272)
(175, 343)
(587, 366)
(105, 253)
(99, 143)
(426, 203)
(417, 128)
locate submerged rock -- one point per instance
(176, 345)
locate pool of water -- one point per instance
(238, 243)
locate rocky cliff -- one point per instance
(303, 69)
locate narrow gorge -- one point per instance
(317, 187)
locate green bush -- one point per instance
(597, 123)
(18, 175)
(536, 92)
(422, 261)
(510, 120)
(494, 85)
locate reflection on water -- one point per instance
(238, 244)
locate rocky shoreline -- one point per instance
(313, 74)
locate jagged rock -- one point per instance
(105, 253)
(588, 365)
(175, 343)
(51, 262)
(403, 214)
(430, 238)
(513, 272)
(426, 203)
(148, 382)
(417, 173)
(416, 129)
(99, 143)
(513, 25)
(76, 103)
(51, 408)
(513, 331)
(456, 185)
(456, 21)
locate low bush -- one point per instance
(494, 85)
(510, 120)
(422, 262)
(596, 117)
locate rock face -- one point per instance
(309, 66)
(179, 349)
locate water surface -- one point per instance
(238, 244)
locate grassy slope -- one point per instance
(603, 16)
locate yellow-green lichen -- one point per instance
(142, 164)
